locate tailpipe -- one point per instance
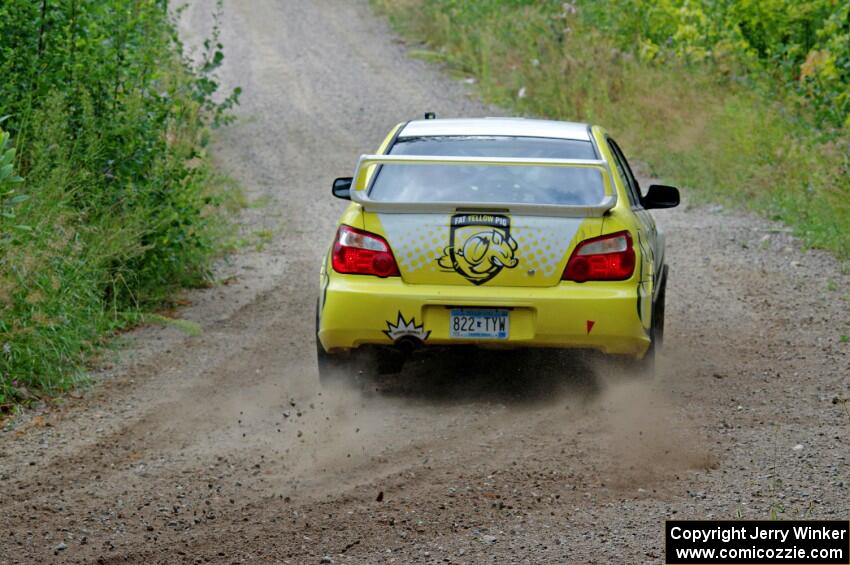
(408, 344)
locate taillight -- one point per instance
(606, 258)
(357, 252)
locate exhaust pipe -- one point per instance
(408, 344)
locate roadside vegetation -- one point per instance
(108, 202)
(745, 103)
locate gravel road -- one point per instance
(222, 448)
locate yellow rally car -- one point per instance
(493, 232)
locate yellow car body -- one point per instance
(500, 259)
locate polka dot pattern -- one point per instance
(419, 240)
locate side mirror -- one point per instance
(342, 187)
(660, 196)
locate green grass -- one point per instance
(188, 327)
(743, 143)
(108, 200)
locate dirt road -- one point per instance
(221, 447)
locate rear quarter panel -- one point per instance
(624, 217)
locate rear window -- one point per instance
(484, 183)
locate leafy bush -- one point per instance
(713, 117)
(113, 203)
(804, 44)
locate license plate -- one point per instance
(478, 324)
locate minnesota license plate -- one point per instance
(479, 323)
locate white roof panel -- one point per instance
(519, 127)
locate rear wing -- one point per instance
(368, 164)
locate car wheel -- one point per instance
(645, 367)
(656, 332)
(658, 317)
(333, 369)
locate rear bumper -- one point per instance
(358, 310)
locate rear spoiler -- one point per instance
(367, 163)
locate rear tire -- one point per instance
(646, 366)
(333, 369)
(658, 315)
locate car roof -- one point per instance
(518, 127)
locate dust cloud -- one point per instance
(647, 438)
(347, 433)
